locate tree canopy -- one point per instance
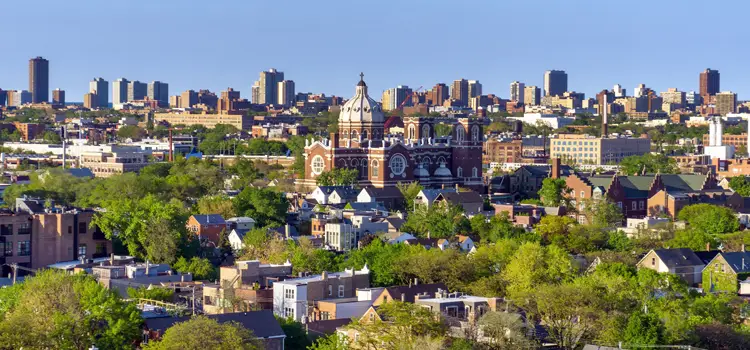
(649, 163)
(201, 333)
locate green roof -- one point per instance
(683, 182)
(603, 181)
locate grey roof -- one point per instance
(343, 191)
(678, 257)
(81, 172)
(262, 323)
(210, 219)
(431, 194)
(395, 222)
(738, 261)
(544, 170)
(707, 256)
(385, 192)
(240, 232)
(461, 197)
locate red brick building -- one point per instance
(208, 228)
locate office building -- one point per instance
(106, 164)
(438, 94)
(555, 82)
(136, 91)
(726, 102)
(39, 80)
(673, 96)
(640, 90)
(158, 91)
(19, 98)
(268, 86)
(255, 93)
(585, 149)
(100, 87)
(286, 93)
(188, 99)
(58, 97)
(475, 88)
(120, 91)
(618, 91)
(174, 101)
(693, 99)
(90, 100)
(532, 96)
(709, 83)
(208, 98)
(393, 98)
(517, 91)
(209, 120)
(460, 91)
(502, 150)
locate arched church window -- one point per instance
(317, 165)
(345, 134)
(355, 163)
(426, 130)
(460, 133)
(364, 134)
(398, 164)
(412, 132)
(460, 172)
(441, 160)
(475, 133)
(354, 134)
(375, 169)
(475, 172)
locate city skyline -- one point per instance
(629, 61)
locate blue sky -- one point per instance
(324, 45)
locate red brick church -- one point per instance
(385, 160)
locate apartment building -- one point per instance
(585, 149)
(29, 131)
(345, 234)
(296, 298)
(106, 164)
(209, 120)
(246, 285)
(502, 150)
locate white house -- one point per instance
(334, 194)
(243, 222)
(397, 237)
(236, 238)
(465, 243)
(344, 235)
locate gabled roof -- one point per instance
(240, 232)
(683, 182)
(738, 261)
(678, 257)
(410, 291)
(395, 222)
(707, 256)
(461, 197)
(385, 192)
(343, 191)
(431, 194)
(462, 238)
(262, 323)
(210, 219)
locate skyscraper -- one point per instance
(619, 91)
(136, 90)
(640, 90)
(726, 102)
(188, 99)
(709, 83)
(555, 82)
(158, 91)
(475, 88)
(286, 93)
(120, 91)
(3, 97)
(532, 96)
(517, 91)
(460, 91)
(268, 86)
(58, 97)
(392, 98)
(19, 97)
(90, 100)
(100, 87)
(39, 79)
(439, 94)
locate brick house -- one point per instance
(208, 228)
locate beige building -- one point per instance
(673, 96)
(726, 102)
(585, 149)
(532, 95)
(387, 100)
(209, 120)
(105, 164)
(244, 286)
(568, 100)
(174, 101)
(90, 100)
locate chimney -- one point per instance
(324, 275)
(171, 148)
(555, 168)
(112, 259)
(443, 186)
(708, 247)
(147, 267)
(403, 295)
(416, 281)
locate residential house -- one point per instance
(634, 226)
(670, 203)
(346, 308)
(334, 194)
(527, 180)
(426, 197)
(525, 215)
(390, 198)
(395, 223)
(119, 278)
(243, 223)
(208, 228)
(237, 238)
(246, 285)
(465, 243)
(297, 297)
(471, 202)
(396, 237)
(725, 270)
(408, 293)
(682, 262)
(344, 234)
(429, 243)
(262, 324)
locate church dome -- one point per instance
(421, 171)
(443, 171)
(361, 108)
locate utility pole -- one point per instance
(193, 300)
(14, 267)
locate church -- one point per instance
(384, 160)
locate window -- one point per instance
(354, 134)
(426, 130)
(6, 230)
(24, 229)
(583, 194)
(288, 293)
(9, 248)
(474, 172)
(341, 291)
(475, 133)
(619, 204)
(82, 227)
(372, 316)
(653, 261)
(641, 205)
(330, 290)
(364, 135)
(398, 164)
(451, 311)
(288, 312)
(24, 248)
(70, 229)
(412, 131)
(317, 165)
(459, 172)
(81, 250)
(635, 205)
(325, 315)
(460, 133)
(375, 168)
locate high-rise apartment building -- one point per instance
(555, 82)
(460, 91)
(392, 98)
(158, 91)
(268, 86)
(255, 93)
(100, 87)
(618, 91)
(673, 96)
(188, 99)
(709, 83)
(39, 79)
(19, 98)
(517, 91)
(439, 94)
(3, 97)
(286, 93)
(726, 102)
(58, 97)
(90, 100)
(640, 90)
(120, 91)
(136, 90)
(532, 96)
(475, 88)
(208, 98)
(693, 99)
(174, 101)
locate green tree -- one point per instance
(265, 206)
(221, 205)
(649, 163)
(403, 325)
(333, 341)
(505, 330)
(603, 213)
(56, 310)
(740, 185)
(338, 177)
(709, 218)
(200, 268)
(643, 329)
(201, 333)
(152, 293)
(533, 265)
(554, 192)
(296, 335)
(409, 191)
(130, 132)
